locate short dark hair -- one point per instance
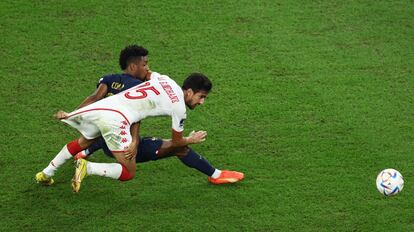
(197, 82)
(130, 54)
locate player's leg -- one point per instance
(188, 157)
(66, 153)
(124, 170)
(84, 122)
(95, 146)
(106, 150)
(117, 136)
(148, 149)
(193, 160)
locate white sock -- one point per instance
(112, 170)
(216, 174)
(59, 159)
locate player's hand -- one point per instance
(131, 152)
(197, 137)
(61, 115)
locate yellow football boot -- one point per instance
(42, 178)
(80, 174)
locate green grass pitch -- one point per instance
(311, 100)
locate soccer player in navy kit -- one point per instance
(115, 83)
(149, 148)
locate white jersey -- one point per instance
(161, 96)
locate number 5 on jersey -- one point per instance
(140, 91)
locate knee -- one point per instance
(131, 175)
(127, 174)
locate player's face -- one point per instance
(194, 99)
(141, 68)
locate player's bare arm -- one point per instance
(99, 93)
(167, 148)
(195, 137)
(131, 152)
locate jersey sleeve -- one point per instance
(104, 80)
(178, 117)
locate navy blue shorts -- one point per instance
(147, 149)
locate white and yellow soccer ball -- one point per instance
(390, 182)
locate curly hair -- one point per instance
(130, 54)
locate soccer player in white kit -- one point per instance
(113, 116)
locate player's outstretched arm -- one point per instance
(99, 93)
(195, 137)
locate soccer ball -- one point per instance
(390, 182)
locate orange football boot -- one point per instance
(227, 177)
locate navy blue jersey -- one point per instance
(118, 82)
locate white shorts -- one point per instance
(112, 125)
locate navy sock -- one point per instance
(194, 160)
(95, 146)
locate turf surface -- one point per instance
(311, 100)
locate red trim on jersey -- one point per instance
(100, 109)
